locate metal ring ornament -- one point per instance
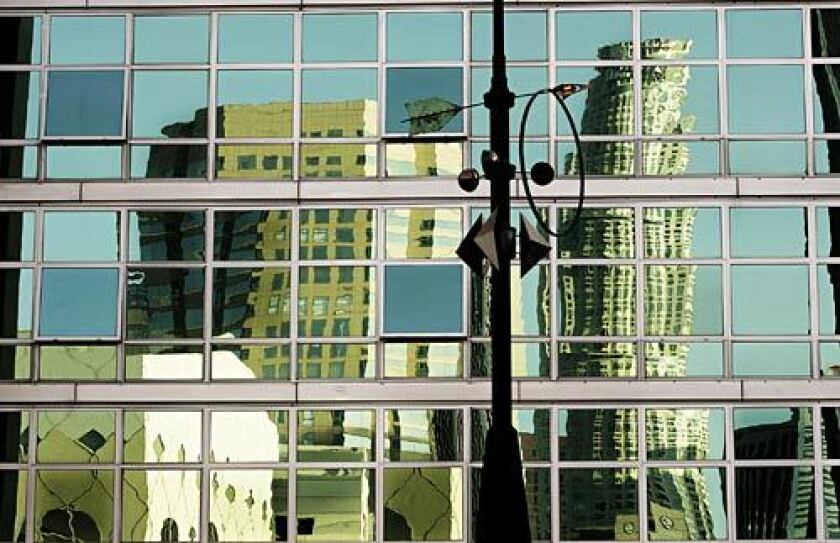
(580, 162)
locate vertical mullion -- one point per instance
(292, 475)
(729, 455)
(554, 473)
(123, 286)
(723, 95)
(641, 435)
(209, 258)
(807, 76)
(641, 284)
(42, 98)
(294, 283)
(118, 473)
(37, 270)
(813, 288)
(297, 95)
(552, 82)
(379, 474)
(381, 79)
(128, 124)
(819, 501)
(637, 96)
(379, 289)
(726, 288)
(31, 474)
(212, 76)
(553, 370)
(204, 508)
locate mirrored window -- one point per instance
(768, 232)
(828, 229)
(830, 431)
(530, 312)
(789, 485)
(168, 161)
(164, 303)
(252, 302)
(163, 362)
(616, 490)
(831, 490)
(170, 103)
(251, 361)
(598, 233)
(606, 108)
(85, 103)
(157, 236)
(596, 359)
(336, 361)
(257, 39)
(596, 300)
(767, 157)
(81, 235)
(336, 436)
(256, 234)
(152, 437)
(426, 360)
(254, 162)
(345, 37)
(79, 302)
(424, 435)
(423, 159)
(244, 495)
(829, 298)
(429, 502)
(685, 434)
(338, 161)
(531, 359)
(661, 158)
(701, 359)
(15, 428)
(249, 436)
(336, 502)
(598, 434)
(826, 115)
(175, 39)
(406, 87)
(533, 426)
(770, 299)
(13, 484)
(829, 359)
(680, 99)
(601, 158)
(765, 433)
(682, 232)
(522, 80)
(537, 496)
(590, 35)
(423, 299)
(18, 162)
(254, 104)
(337, 234)
(517, 23)
(78, 362)
(697, 29)
(339, 103)
(74, 503)
(687, 504)
(754, 33)
(824, 42)
(683, 300)
(15, 362)
(425, 36)
(81, 436)
(87, 40)
(88, 162)
(21, 93)
(749, 102)
(21, 40)
(153, 499)
(422, 233)
(824, 157)
(17, 236)
(336, 301)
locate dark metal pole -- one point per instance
(503, 511)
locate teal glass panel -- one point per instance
(758, 232)
(606, 108)
(168, 161)
(588, 35)
(522, 80)
(758, 33)
(405, 85)
(345, 37)
(670, 360)
(696, 28)
(685, 434)
(828, 294)
(84, 162)
(680, 100)
(164, 303)
(828, 228)
(423, 299)
(598, 434)
(16, 290)
(535, 151)
(517, 23)
(682, 232)
(340, 103)
(773, 433)
(81, 236)
(258, 39)
(20, 40)
(17, 236)
(767, 157)
(85, 103)
(683, 300)
(770, 299)
(754, 110)
(21, 92)
(676, 513)
(170, 104)
(425, 36)
(771, 359)
(19, 162)
(175, 39)
(672, 158)
(602, 158)
(826, 157)
(157, 236)
(78, 302)
(254, 103)
(87, 40)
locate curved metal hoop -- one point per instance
(581, 164)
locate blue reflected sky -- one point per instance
(521, 80)
(768, 232)
(84, 162)
(767, 157)
(522, 23)
(162, 98)
(78, 302)
(756, 33)
(255, 38)
(345, 37)
(409, 84)
(700, 26)
(423, 299)
(754, 109)
(87, 40)
(771, 359)
(581, 33)
(171, 39)
(254, 86)
(425, 36)
(770, 299)
(85, 103)
(336, 85)
(82, 235)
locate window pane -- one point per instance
(683, 300)
(252, 302)
(427, 501)
(20, 40)
(684, 359)
(81, 235)
(255, 38)
(17, 235)
(423, 159)
(424, 435)
(829, 298)
(77, 436)
(517, 23)
(537, 496)
(826, 118)
(251, 161)
(165, 235)
(522, 80)
(788, 485)
(171, 39)
(252, 235)
(422, 233)
(152, 499)
(825, 155)
(599, 233)
(254, 103)
(168, 161)
(162, 362)
(685, 434)
(164, 303)
(15, 428)
(170, 104)
(345, 37)
(614, 490)
(172, 437)
(341, 102)
(87, 40)
(77, 503)
(85, 103)
(21, 91)
(824, 43)
(596, 359)
(666, 158)
(336, 504)
(530, 310)
(773, 433)
(749, 101)
(767, 157)
(587, 35)
(336, 301)
(78, 363)
(612, 83)
(425, 360)
(531, 359)
(598, 434)
(533, 426)
(755, 33)
(425, 36)
(680, 99)
(245, 494)
(407, 85)
(18, 162)
(266, 434)
(238, 362)
(695, 27)
(770, 299)
(15, 362)
(13, 485)
(424, 299)
(84, 162)
(607, 158)
(78, 302)
(338, 161)
(336, 361)
(682, 232)
(336, 436)
(831, 488)
(596, 300)
(687, 504)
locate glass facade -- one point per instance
(232, 308)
